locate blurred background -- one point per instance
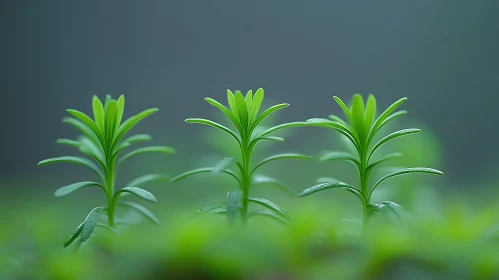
(442, 55)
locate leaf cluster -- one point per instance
(102, 143)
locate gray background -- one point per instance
(443, 55)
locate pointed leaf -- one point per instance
(223, 164)
(386, 113)
(386, 205)
(345, 109)
(75, 235)
(392, 136)
(120, 109)
(233, 205)
(225, 110)
(358, 115)
(69, 142)
(151, 149)
(339, 156)
(257, 103)
(373, 132)
(267, 113)
(284, 125)
(242, 110)
(333, 185)
(141, 210)
(110, 121)
(370, 113)
(99, 115)
(248, 99)
(337, 119)
(83, 129)
(131, 122)
(203, 170)
(216, 125)
(232, 104)
(406, 171)
(268, 204)
(211, 209)
(139, 181)
(383, 159)
(259, 179)
(270, 214)
(76, 186)
(141, 193)
(138, 138)
(90, 223)
(76, 160)
(87, 121)
(280, 156)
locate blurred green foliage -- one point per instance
(445, 234)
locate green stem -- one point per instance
(364, 181)
(245, 179)
(110, 186)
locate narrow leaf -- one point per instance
(406, 171)
(139, 181)
(232, 104)
(141, 210)
(211, 209)
(392, 136)
(224, 110)
(98, 110)
(259, 179)
(383, 159)
(242, 110)
(120, 109)
(216, 125)
(339, 156)
(76, 186)
(268, 204)
(84, 129)
(233, 203)
(270, 214)
(151, 149)
(138, 138)
(75, 235)
(110, 121)
(131, 122)
(267, 113)
(345, 109)
(386, 113)
(90, 223)
(203, 170)
(280, 156)
(248, 99)
(76, 160)
(358, 115)
(370, 113)
(86, 120)
(141, 193)
(223, 164)
(257, 103)
(69, 142)
(333, 185)
(281, 126)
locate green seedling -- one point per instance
(245, 117)
(361, 128)
(103, 142)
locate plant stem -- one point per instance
(245, 179)
(110, 184)
(364, 181)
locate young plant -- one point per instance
(103, 142)
(244, 115)
(361, 127)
